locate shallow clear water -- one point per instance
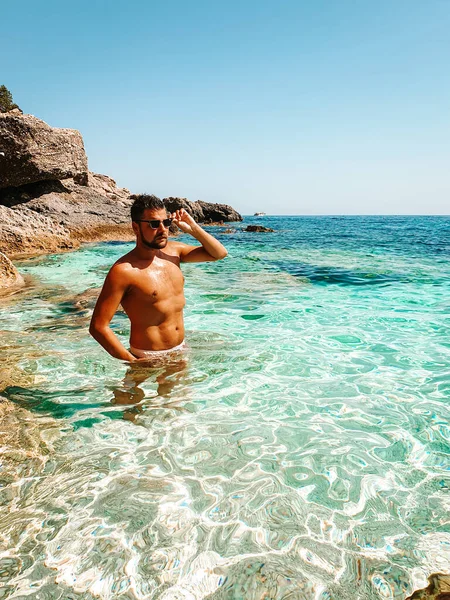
(302, 451)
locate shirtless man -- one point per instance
(148, 283)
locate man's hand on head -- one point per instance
(184, 221)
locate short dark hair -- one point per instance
(142, 202)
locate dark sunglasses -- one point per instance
(155, 223)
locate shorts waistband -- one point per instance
(157, 353)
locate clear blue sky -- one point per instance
(291, 107)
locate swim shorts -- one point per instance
(152, 354)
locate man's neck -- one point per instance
(144, 253)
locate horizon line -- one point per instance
(349, 215)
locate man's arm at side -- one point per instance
(110, 297)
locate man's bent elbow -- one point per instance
(92, 330)
(221, 254)
(96, 330)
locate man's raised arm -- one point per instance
(107, 304)
(211, 249)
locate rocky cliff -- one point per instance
(51, 202)
(33, 151)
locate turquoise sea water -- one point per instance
(302, 452)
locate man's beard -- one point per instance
(154, 245)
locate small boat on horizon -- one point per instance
(259, 214)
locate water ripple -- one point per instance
(301, 450)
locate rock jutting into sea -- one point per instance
(204, 212)
(51, 202)
(9, 276)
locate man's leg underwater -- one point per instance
(131, 394)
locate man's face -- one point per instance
(149, 237)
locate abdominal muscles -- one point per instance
(156, 324)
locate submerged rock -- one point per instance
(26, 444)
(31, 151)
(9, 275)
(438, 589)
(258, 229)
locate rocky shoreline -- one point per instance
(50, 202)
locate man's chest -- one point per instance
(157, 283)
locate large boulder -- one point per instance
(9, 276)
(31, 151)
(203, 212)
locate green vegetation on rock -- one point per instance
(6, 100)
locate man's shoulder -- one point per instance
(176, 248)
(122, 266)
(174, 244)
